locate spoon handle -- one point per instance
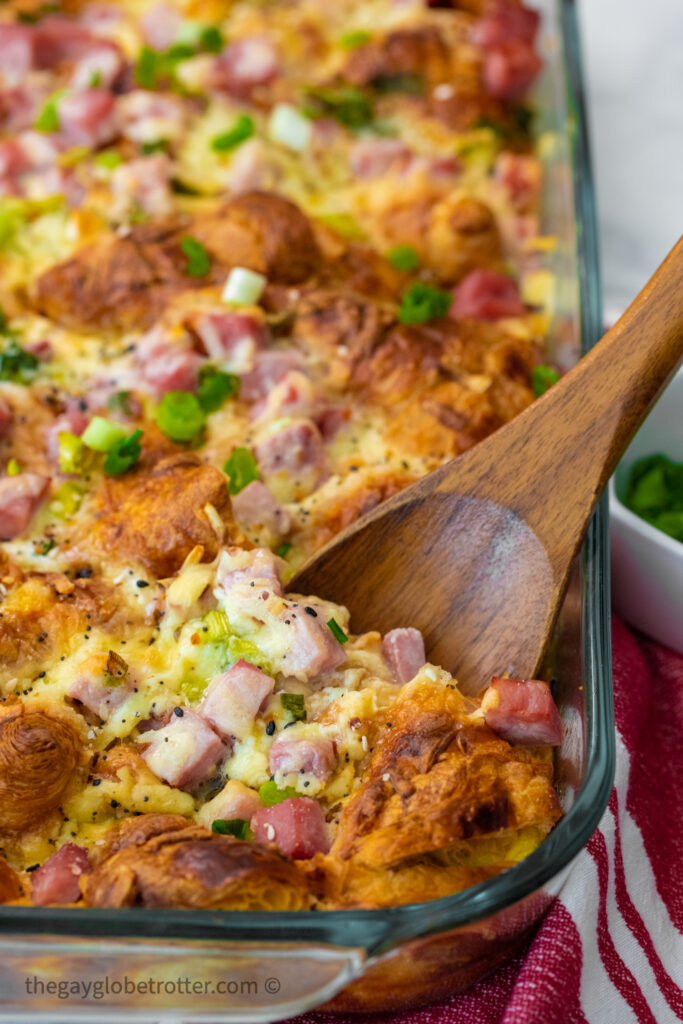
(560, 453)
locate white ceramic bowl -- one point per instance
(647, 565)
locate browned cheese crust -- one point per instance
(41, 758)
(158, 515)
(437, 785)
(161, 861)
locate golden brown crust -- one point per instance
(262, 231)
(116, 283)
(158, 515)
(43, 613)
(463, 235)
(123, 283)
(10, 885)
(192, 868)
(418, 50)
(440, 790)
(41, 757)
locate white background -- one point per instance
(633, 59)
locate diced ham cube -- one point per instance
(160, 25)
(296, 826)
(232, 338)
(373, 158)
(185, 751)
(251, 167)
(503, 22)
(149, 117)
(145, 184)
(509, 70)
(246, 64)
(520, 176)
(233, 700)
(13, 159)
(303, 755)
(19, 106)
(294, 395)
(88, 117)
(404, 649)
(269, 368)
(171, 368)
(487, 295)
(18, 52)
(62, 39)
(103, 63)
(295, 451)
(235, 800)
(5, 417)
(522, 711)
(331, 420)
(100, 693)
(20, 496)
(240, 568)
(56, 880)
(255, 508)
(313, 650)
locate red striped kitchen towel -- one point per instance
(610, 950)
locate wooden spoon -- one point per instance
(476, 554)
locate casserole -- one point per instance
(474, 929)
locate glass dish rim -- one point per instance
(376, 929)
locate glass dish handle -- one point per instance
(157, 981)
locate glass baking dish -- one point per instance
(75, 965)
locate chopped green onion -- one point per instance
(654, 491)
(236, 827)
(347, 104)
(95, 79)
(211, 39)
(16, 364)
(108, 159)
(71, 453)
(242, 469)
(422, 303)
(15, 212)
(46, 546)
(101, 435)
(158, 146)
(294, 704)
(48, 118)
(123, 455)
(215, 387)
(284, 549)
(290, 128)
(66, 501)
(244, 287)
(147, 68)
(198, 259)
(242, 129)
(337, 631)
(542, 378)
(404, 258)
(270, 794)
(217, 626)
(352, 40)
(13, 468)
(120, 402)
(180, 416)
